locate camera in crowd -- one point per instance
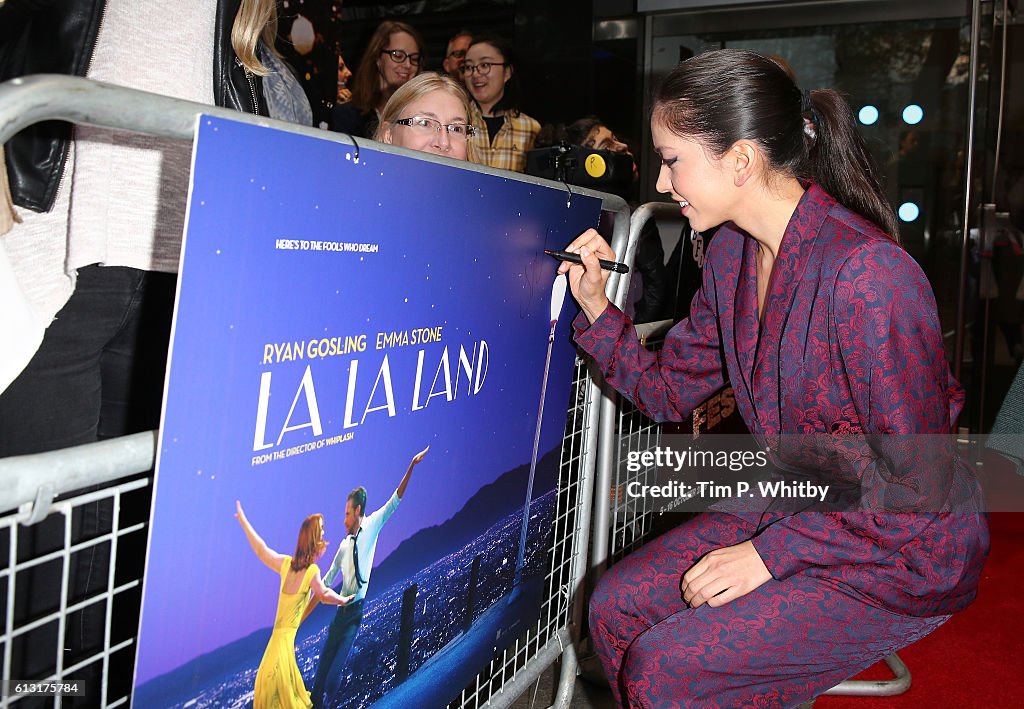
(601, 170)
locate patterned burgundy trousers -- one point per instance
(778, 646)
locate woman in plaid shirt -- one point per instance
(503, 132)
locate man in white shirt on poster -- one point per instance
(353, 561)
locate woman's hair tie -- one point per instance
(809, 114)
(806, 105)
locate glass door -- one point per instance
(907, 72)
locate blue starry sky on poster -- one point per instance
(434, 248)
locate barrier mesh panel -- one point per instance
(556, 609)
(71, 589)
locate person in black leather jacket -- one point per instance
(58, 37)
(61, 37)
(98, 371)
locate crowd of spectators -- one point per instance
(502, 133)
(485, 65)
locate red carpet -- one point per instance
(977, 658)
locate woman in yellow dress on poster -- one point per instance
(279, 683)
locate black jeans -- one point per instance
(99, 373)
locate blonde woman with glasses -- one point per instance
(431, 114)
(394, 55)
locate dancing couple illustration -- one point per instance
(279, 682)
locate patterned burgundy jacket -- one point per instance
(850, 344)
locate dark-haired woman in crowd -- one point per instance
(503, 132)
(394, 55)
(824, 325)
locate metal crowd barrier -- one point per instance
(59, 487)
(620, 524)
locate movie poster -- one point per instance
(354, 320)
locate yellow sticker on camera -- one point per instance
(595, 165)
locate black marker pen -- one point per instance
(576, 258)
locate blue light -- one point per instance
(868, 115)
(913, 114)
(908, 212)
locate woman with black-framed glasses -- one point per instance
(395, 55)
(430, 113)
(504, 133)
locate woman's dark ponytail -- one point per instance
(840, 162)
(726, 95)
